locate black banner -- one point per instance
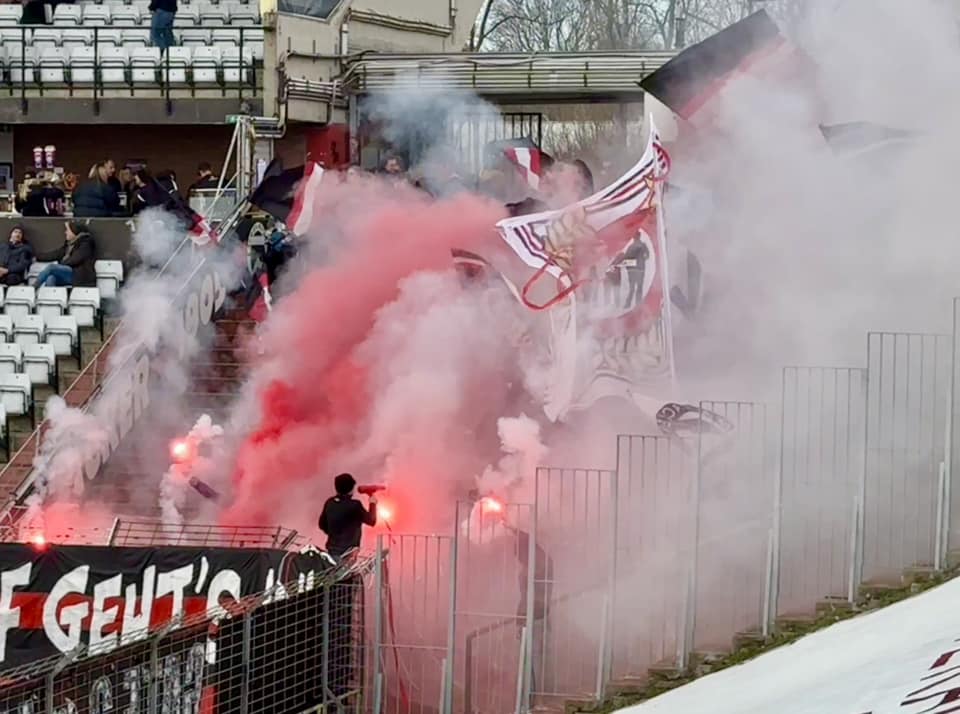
(55, 598)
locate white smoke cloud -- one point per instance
(176, 482)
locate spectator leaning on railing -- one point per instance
(40, 196)
(16, 255)
(74, 264)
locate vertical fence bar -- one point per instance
(452, 621)
(246, 658)
(378, 589)
(823, 412)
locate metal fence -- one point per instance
(756, 511)
(294, 648)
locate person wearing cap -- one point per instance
(16, 255)
(73, 262)
(343, 517)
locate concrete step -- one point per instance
(748, 638)
(833, 604)
(665, 669)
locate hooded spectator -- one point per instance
(206, 179)
(34, 13)
(168, 181)
(96, 198)
(16, 255)
(74, 260)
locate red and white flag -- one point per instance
(528, 161)
(301, 214)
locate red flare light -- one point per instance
(490, 505)
(39, 541)
(385, 512)
(180, 450)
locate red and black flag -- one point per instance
(278, 190)
(754, 46)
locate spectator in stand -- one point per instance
(40, 196)
(73, 261)
(393, 170)
(34, 13)
(168, 181)
(161, 25)
(206, 179)
(16, 255)
(112, 176)
(147, 192)
(96, 198)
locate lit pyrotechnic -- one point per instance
(491, 506)
(181, 450)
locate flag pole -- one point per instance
(664, 263)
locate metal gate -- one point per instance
(411, 622)
(731, 576)
(907, 405)
(653, 545)
(575, 540)
(494, 603)
(822, 434)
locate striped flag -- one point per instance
(290, 195)
(527, 160)
(305, 198)
(567, 243)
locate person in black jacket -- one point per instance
(74, 260)
(16, 255)
(96, 198)
(343, 517)
(40, 197)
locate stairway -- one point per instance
(129, 482)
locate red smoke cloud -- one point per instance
(314, 389)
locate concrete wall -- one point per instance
(112, 235)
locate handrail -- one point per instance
(90, 370)
(247, 80)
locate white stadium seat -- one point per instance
(195, 37)
(51, 302)
(84, 305)
(45, 37)
(21, 70)
(226, 36)
(76, 37)
(143, 64)
(133, 38)
(241, 14)
(106, 36)
(211, 14)
(256, 49)
(176, 61)
(11, 356)
(205, 63)
(10, 15)
(15, 393)
(95, 14)
(127, 15)
(230, 58)
(53, 65)
(82, 65)
(187, 16)
(65, 14)
(62, 332)
(113, 65)
(36, 267)
(109, 277)
(6, 328)
(19, 301)
(28, 330)
(39, 363)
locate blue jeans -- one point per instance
(161, 30)
(55, 276)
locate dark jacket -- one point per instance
(42, 201)
(342, 519)
(207, 183)
(16, 258)
(34, 13)
(168, 5)
(79, 255)
(96, 199)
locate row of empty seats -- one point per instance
(13, 40)
(141, 65)
(138, 14)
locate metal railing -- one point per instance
(297, 647)
(97, 69)
(134, 532)
(503, 73)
